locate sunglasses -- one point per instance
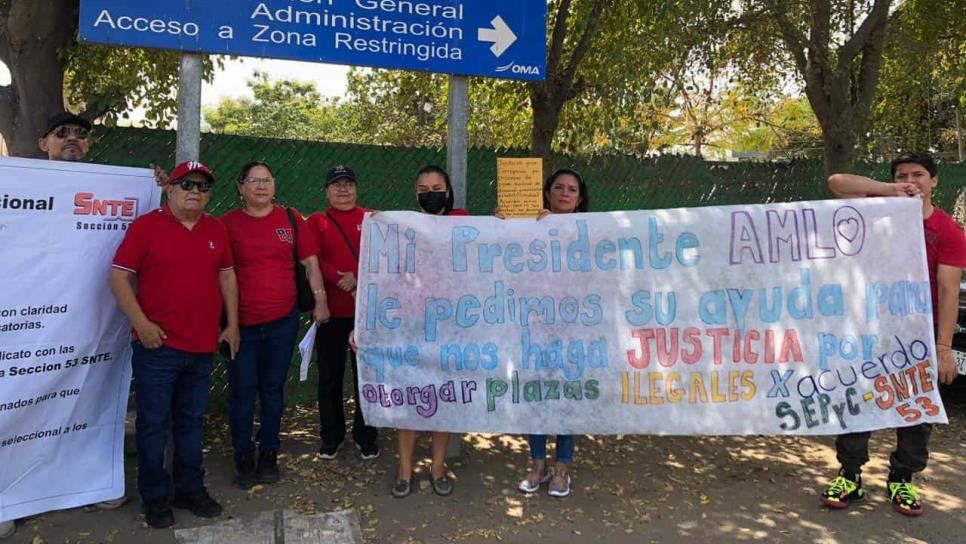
(63, 131)
(187, 185)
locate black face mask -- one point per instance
(432, 202)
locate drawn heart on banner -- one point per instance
(848, 228)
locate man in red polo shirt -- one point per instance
(914, 175)
(182, 259)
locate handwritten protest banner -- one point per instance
(805, 318)
(519, 186)
(65, 356)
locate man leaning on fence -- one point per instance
(182, 260)
(914, 175)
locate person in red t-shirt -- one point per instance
(182, 259)
(337, 232)
(914, 175)
(262, 241)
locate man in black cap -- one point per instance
(67, 138)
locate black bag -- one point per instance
(304, 297)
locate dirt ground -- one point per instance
(627, 489)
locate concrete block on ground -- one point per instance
(279, 527)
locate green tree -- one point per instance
(50, 69)
(835, 48)
(923, 86)
(282, 109)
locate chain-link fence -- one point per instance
(387, 174)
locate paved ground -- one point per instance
(627, 489)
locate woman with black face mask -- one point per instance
(434, 192)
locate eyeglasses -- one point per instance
(257, 181)
(187, 185)
(63, 131)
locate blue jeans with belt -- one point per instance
(259, 370)
(171, 389)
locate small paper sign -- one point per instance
(519, 187)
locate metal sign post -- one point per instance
(457, 136)
(189, 109)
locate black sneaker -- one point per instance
(329, 452)
(245, 475)
(158, 514)
(904, 496)
(368, 451)
(268, 467)
(844, 490)
(200, 504)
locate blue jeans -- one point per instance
(260, 369)
(171, 389)
(565, 447)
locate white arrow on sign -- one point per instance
(501, 36)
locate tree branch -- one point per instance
(794, 40)
(873, 22)
(590, 33)
(558, 37)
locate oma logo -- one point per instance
(519, 69)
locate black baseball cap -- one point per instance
(66, 118)
(339, 172)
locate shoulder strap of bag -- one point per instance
(344, 237)
(295, 233)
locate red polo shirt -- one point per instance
(335, 255)
(945, 244)
(264, 264)
(177, 271)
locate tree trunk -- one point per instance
(839, 150)
(32, 33)
(546, 118)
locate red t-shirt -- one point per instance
(945, 244)
(458, 211)
(264, 264)
(177, 271)
(335, 255)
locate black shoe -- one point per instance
(158, 514)
(368, 452)
(330, 452)
(200, 504)
(268, 467)
(245, 475)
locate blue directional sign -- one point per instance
(490, 38)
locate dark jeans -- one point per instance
(171, 388)
(260, 369)
(911, 454)
(331, 344)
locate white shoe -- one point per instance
(112, 504)
(7, 529)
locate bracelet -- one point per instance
(318, 291)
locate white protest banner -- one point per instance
(803, 318)
(64, 344)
